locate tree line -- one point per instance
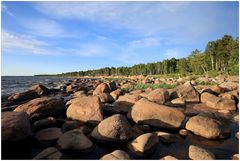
(219, 56)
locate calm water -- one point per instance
(12, 84)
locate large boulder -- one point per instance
(101, 88)
(15, 126)
(116, 155)
(198, 153)
(124, 103)
(144, 144)
(159, 96)
(106, 98)
(23, 96)
(229, 86)
(113, 129)
(115, 94)
(188, 92)
(207, 127)
(86, 109)
(75, 140)
(47, 106)
(218, 103)
(161, 116)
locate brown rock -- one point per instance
(45, 123)
(166, 137)
(40, 89)
(188, 92)
(168, 157)
(218, 102)
(116, 155)
(183, 132)
(47, 106)
(86, 109)
(144, 144)
(156, 115)
(106, 98)
(15, 126)
(112, 85)
(235, 157)
(49, 153)
(114, 128)
(229, 86)
(115, 94)
(28, 95)
(48, 137)
(101, 88)
(159, 96)
(198, 153)
(207, 127)
(75, 140)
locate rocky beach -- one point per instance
(85, 118)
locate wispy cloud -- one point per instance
(6, 10)
(173, 53)
(23, 44)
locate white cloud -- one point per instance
(23, 44)
(6, 10)
(145, 42)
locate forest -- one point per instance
(220, 56)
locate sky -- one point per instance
(56, 37)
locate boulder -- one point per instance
(15, 126)
(48, 137)
(47, 106)
(49, 153)
(86, 109)
(70, 125)
(161, 116)
(45, 123)
(106, 98)
(198, 153)
(101, 88)
(144, 144)
(207, 127)
(40, 89)
(75, 140)
(229, 86)
(218, 103)
(116, 155)
(113, 129)
(115, 94)
(24, 96)
(188, 92)
(159, 96)
(124, 103)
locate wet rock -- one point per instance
(101, 88)
(24, 96)
(166, 137)
(144, 144)
(40, 89)
(146, 112)
(48, 137)
(159, 96)
(198, 153)
(75, 140)
(188, 92)
(49, 153)
(47, 106)
(116, 155)
(207, 127)
(86, 109)
(218, 102)
(106, 98)
(124, 103)
(45, 123)
(168, 157)
(114, 129)
(15, 126)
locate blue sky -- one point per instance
(56, 37)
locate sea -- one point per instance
(13, 84)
